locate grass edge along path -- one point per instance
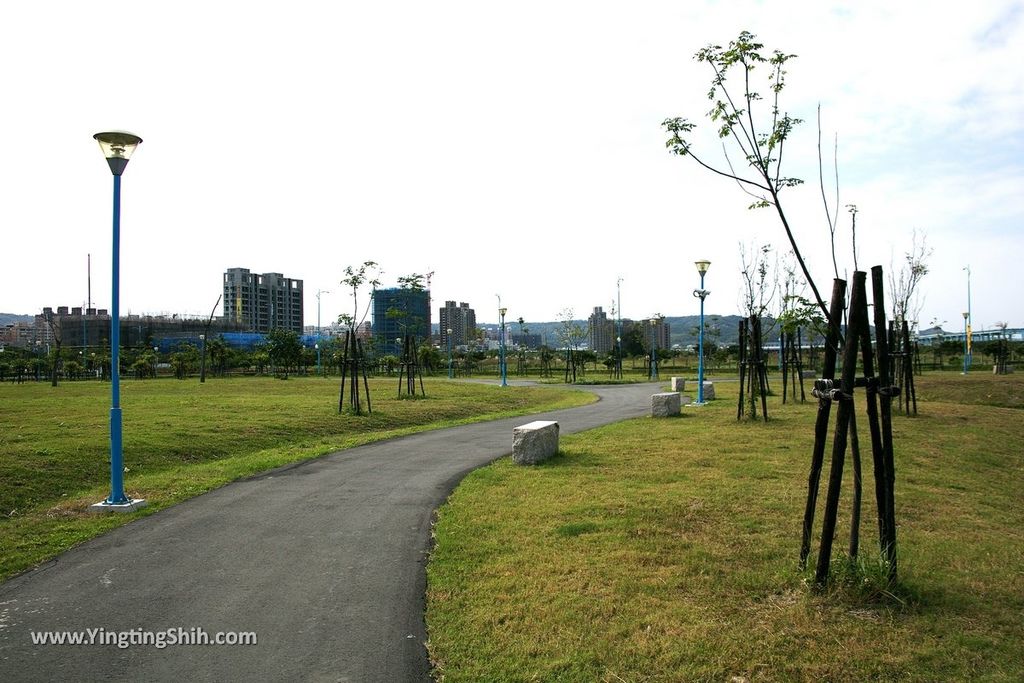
(665, 550)
(47, 425)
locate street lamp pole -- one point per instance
(202, 365)
(317, 345)
(654, 348)
(968, 325)
(967, 364)
(618, 328)
(702, 268)
(448, 336)
(501, 346)
(117, 147)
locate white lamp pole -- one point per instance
(317, 345)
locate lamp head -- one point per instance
(702, 266)
(503, 311)
(117, 147)
(966, 315)
(449, 330)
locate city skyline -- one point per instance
(513, 152)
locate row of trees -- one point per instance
(283, 354)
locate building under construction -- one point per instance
(262, 302)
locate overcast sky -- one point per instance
(509, 148)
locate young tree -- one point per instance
(355, 277)
(353, 362)
(219, 353)
(429, 357)
(795, 310)
(760, 285)
(144, 365)
(284, 349)
(759, 282)
(761, 146)
(521, 349)
(633, 340)
(999, 349)
(547, 356)
(183, 361)
(55, 356)
(409, 323)
(570, 334)
(206, 340)
(904, 282)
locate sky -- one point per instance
(510, 149)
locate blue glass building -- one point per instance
(398, 312)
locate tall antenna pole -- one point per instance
(89, 280)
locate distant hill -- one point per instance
(11, 318)
(683, 329)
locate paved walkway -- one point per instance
(323, 560)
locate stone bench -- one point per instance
(666, 404)
(809, 374)
(534, 442)
(678, 384)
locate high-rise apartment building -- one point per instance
(461, 320)
(657, 332)
(262, 302)
(602, 331)
(399, 311)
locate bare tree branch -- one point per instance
(758, 197)
(727, 175)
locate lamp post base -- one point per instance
(130, 505)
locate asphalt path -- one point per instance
(323, 560)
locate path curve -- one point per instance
(324, 560)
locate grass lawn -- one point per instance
(666, 550)
(182, 438)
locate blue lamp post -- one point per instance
(654, 349)
(448, 336)
(502, 311)
(117, 147)
(618, 329)
(702, 268)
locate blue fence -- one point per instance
(236, 340)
